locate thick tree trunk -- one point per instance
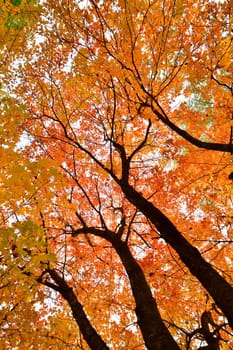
(215, 284)
(155, 334)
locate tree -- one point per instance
(116, 198)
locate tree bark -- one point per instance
(215, 284)
(155, 334)
(213, 146)
(90, 335)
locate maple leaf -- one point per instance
(116, 175)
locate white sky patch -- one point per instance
(175, 104)
(171, 165)
(68, 65)
(199, 214)
(140, 252)
(115, 318)
(82, 3)
(133, 328)
(25, 140)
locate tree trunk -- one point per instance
(215, 284)
(155, 333)
(90, 335)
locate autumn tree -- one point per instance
(116, 175)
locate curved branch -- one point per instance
(142, 144)
(154, 331)
(213, 146)
(222, 84)
(90, 335)
(215, 284)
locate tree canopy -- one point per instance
(116, 200)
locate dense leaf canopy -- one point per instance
(116, 200)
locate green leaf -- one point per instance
(15, 22)
(16, 2)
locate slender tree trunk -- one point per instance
(215, 284)
(90, 335)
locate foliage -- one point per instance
(116, 162)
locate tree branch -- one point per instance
(90, 335)
(154, 331)
(213, 146)
(215, 284)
